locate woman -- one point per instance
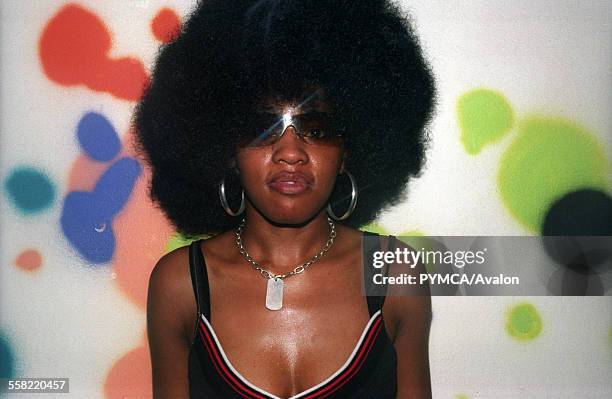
(278, 127)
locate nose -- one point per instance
(290, 148)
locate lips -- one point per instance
(290, 182)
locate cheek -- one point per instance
(327, 165)
(252, 166)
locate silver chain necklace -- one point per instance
(274, 291)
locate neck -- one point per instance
(279, 248)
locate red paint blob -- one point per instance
(29, 260)
(166, 25)
(73, 49)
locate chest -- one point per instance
(369, 367)
(288, 351)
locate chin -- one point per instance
(286, 210)
(290, 217)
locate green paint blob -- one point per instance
(461, 396)
(484, 117)
(374, 228)
(178, 240)
(411, 233)
(548, 159)
(523, 322)
(30, 190)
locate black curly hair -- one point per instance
(230, 54)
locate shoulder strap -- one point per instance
(199, 278)
(375, 294)
(392, 244)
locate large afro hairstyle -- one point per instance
(229, 54)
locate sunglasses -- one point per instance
(314, 128)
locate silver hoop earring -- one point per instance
(225, 204)
(353, 203)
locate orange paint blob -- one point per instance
(73, 50)
(166, 25)
(29, 260)
(85, 173)
(141, 232)
(130, 376)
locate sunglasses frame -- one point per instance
(289, 119)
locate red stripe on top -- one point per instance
(339, 384)
(330, 387)
(219, 371)
(344, 377)
(237, 385)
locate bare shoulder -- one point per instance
(170, 313)
(171, 270)
(406, 304)
(170, 288)
(409, 309)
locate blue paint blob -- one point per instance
(30, 190)
(97, 137)
(87, 217)
(114, 187)
(88, 230)
(7, 358)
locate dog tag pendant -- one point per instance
(274, 294)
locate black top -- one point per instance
(370, 371)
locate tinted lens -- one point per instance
(316, 128)
(313, 127)
(262, 129)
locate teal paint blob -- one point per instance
(7, 359)
(30, 190)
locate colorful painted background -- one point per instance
(521, 145)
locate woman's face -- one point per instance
(288, 168)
